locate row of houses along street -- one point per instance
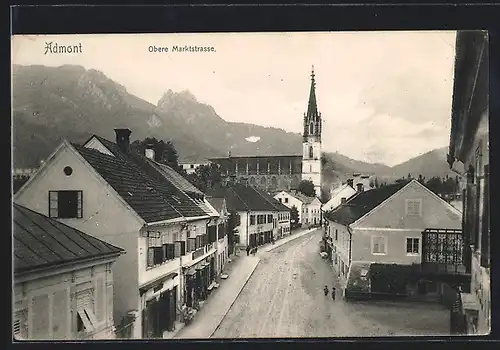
(111, 244)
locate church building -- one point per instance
(283, 173)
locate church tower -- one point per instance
(311, 144)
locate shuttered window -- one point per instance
(177, 249)
(84, 299)
(170, 251)
(65, 204)
(221, 231)
(191, 244)
(485, 234)
(85, 310)
(20, 324)
(212, 233)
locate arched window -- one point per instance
(311, 154)
(311, 129)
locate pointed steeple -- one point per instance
(312, 116)
(312, 108)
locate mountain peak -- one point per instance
(169, 97)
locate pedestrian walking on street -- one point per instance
(326, 290)
(248, 250)
(333, 293)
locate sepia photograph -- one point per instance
(250, 185)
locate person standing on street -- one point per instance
(248, 250)
(333, 293)
(326, 290)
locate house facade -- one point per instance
(258, 213)
(339, 196)
(469, 156)
(114, 193)
(385, 226)
(309, 208)
(219, 204)
(287, 199)
(63, 281)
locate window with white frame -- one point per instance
(379, 245)
(412, 245)
(413, 207)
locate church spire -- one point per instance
(312, 108)
(312, 119)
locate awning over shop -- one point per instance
(151, 284)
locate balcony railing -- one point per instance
(444, 252)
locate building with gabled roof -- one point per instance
(166, 226)
(308, 208)
(388, 226)
(63, 281)
(338, 196)
(258, 213)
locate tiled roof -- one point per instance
(241, 197)
(146, 189)
(177, 178)
(303, 198)
(42, 242)
(217, 203)
(276, 203)
(362, 203)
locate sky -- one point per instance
(384, 97)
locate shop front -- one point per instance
(159, 307)
(199, 277)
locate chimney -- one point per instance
(360, 187)
(343, 200)
(123, 138)
(150, 152)
(350, 182)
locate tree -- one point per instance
(372, 183)
(206, 177)
(164, 152)
(409, 176)
(294, 216)
(435, 184)
(420, 178)
(306, 187)
(325, 194)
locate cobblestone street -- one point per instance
(284, 298)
